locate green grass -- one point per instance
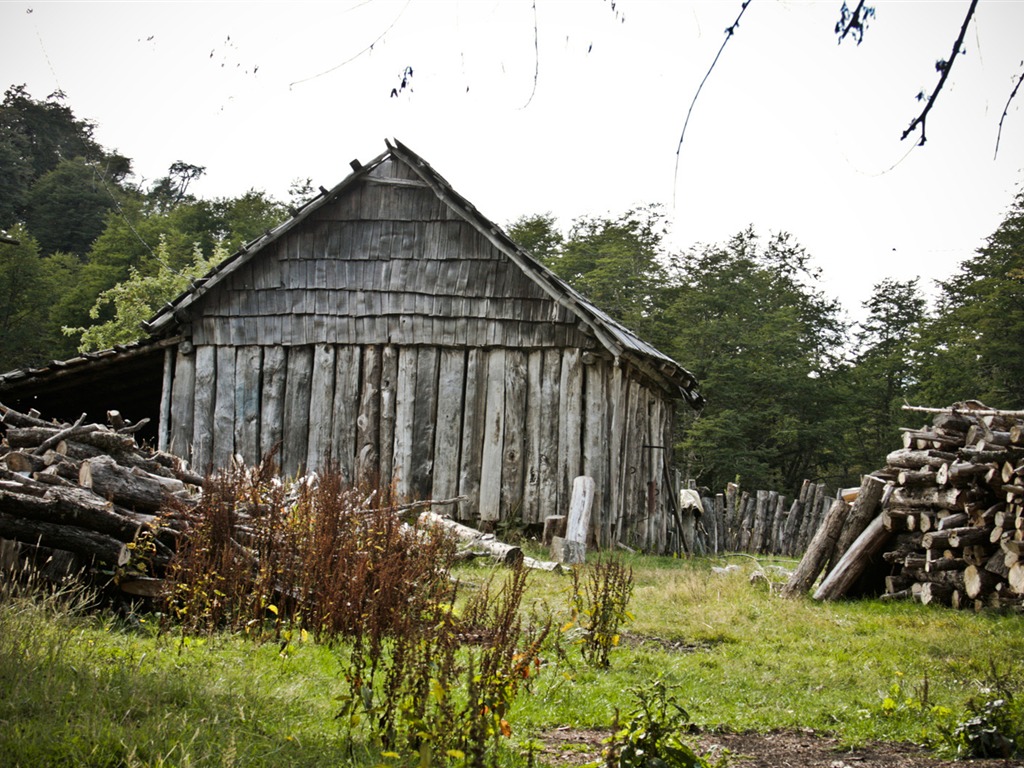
(83, 690)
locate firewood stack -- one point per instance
(951, 525)
(87, 489)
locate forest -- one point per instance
(794, 389)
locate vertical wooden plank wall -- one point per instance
(508, 428)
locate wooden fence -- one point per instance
(759, 522)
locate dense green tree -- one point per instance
(617, 263)
(28, 283)
(35, 137)
(137, 299)
(133, 232)
(538, 235)
(974, 349)
(884, 374)
(764, 343)
(66, 207)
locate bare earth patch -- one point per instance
(780, 749)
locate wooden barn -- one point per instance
(392, 330)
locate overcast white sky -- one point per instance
(791, 132)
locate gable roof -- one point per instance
(618, 340)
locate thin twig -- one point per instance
(1006, 109)
(353, 58)
(536, 57)
(946, 67)
(729, 32)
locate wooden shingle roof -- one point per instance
(615, 338)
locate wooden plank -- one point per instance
(548, 428)
(388, 383)
(513, 443)
(248, 367)
(182, 394)
(424, 420)
(164, 427)
(655, 486)
(595, 448)
(570, 417)
(224, 409)
(321, 409)
(626, 474)
(448, 436)
(272, 386)
(494, 434)
(203, 407)
(298, 381)
(346, 411)
(616, 421)
(405, 412)
(473, 427)
(368, 420)
(532, 437)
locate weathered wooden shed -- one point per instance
(391, 329)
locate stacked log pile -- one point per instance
(87, 489)
(950, 529)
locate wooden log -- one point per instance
(760, 522)
(24, 461)
(911, 459)
(500, 551)
(929, 497)
(69, 538)
(125, 487)
(968, 536)
(853, 561)
(916, 478)
(580, 507)
(979, 582)
(935, 592)
(73, 507)
(818, 551)
(1015, 578)
(862, 513)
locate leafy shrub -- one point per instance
(994, 726)
(653, 736)
(599, 604)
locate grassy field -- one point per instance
(81, 689)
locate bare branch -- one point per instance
(1006, 109)
(729, 32)
(855, 22)
(944, 68)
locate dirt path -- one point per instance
(782, 749)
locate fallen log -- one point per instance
(499, 550)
